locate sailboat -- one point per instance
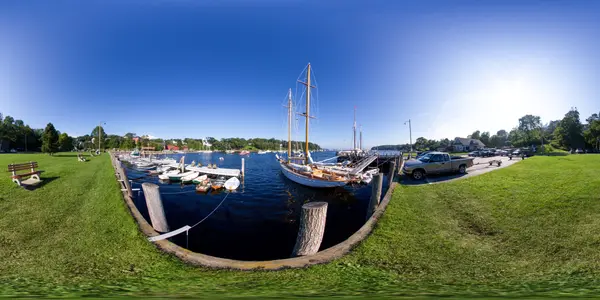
(302, 170)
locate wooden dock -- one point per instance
(209, 171)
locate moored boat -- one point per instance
(217, 184)
(166, 176)
(199, 179)
(179, 176)
(190, 177)
(232, 184)
(301, 169)
(203, 186)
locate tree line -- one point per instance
(15, 134)
(568, 133)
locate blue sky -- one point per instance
(222, 68)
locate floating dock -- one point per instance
(209, 171)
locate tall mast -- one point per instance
(360, 143)
(307, 113)
(289, 107)
(354, 131)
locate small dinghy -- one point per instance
(179, 176)
(166, 176)
(232, 184)
(189, 178)
(217, 184)
(199, 179)
(204, 185)
(367, 177)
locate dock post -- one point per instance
(375, 194)
(391, 173)
(312, 227)
(155, 207)
(242, 167)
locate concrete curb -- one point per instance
(320, 257)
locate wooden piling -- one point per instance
(312, 227)
(392, 173)
(375, 193)
(155, 207)
(242, 167)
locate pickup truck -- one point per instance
(436, 163)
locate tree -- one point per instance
(50, 139)
(95, 135)
(65, 142)
(475, 135)
(129, 135)
(569, 132)
(499, 139)
(593, 117)
(485, 138)
(592, 133)
(530, 126)
(515, 138)
(549, 129)
(421, 143)
(127, 144)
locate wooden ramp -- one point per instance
(363, 163)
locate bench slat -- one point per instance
(23, 166)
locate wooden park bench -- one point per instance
(34, 176)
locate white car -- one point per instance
(13, 151)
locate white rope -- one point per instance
(211, 212)
(185, 228)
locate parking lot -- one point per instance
(480, 165)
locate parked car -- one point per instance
(436, 163)
(13, 151)
(579, 151)
(473, 154)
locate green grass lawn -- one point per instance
(529, 229)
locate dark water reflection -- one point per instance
(260, 220)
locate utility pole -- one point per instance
(410, 134)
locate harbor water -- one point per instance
(260, 220)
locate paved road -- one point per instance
(481, 165)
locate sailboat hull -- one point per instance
(304, 180)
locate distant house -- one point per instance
(172, 147)
(466, 144)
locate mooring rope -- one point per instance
(186, 228)
(179, 193)
(211, 212)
